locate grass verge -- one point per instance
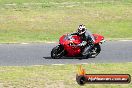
(62, 76)
(47, 20)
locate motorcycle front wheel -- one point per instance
(57, 52)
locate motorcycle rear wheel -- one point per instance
(57, 52)
(95, 51)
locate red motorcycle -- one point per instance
(67, 47)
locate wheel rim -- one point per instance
(94, 52)
(57, 53)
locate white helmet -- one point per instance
(81, 29)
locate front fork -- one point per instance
(63, 51)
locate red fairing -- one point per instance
(98, 38)
(74, 51)
(61, 41)
(71, 51)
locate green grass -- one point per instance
(54, 76)
(47, 20)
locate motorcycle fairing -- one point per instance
(66, 40)
(71, 51)
(98, 38)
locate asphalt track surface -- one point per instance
(39, 54)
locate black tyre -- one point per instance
(57, 52)
(95, 51)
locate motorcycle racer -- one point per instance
(79, 44)
(86, 37)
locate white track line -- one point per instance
(24, 43)
(125, 40)
(58, 64)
